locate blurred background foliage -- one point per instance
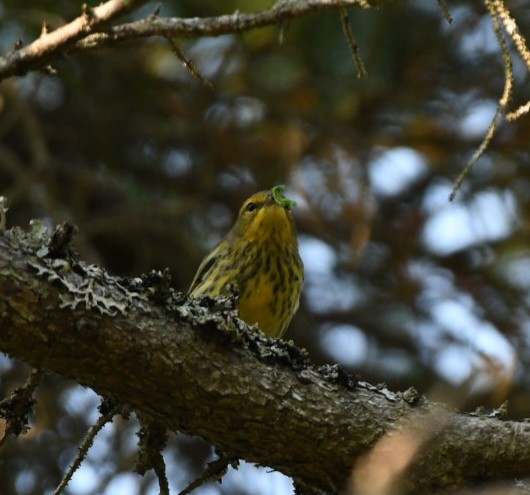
(401, 285)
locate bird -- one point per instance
(259, 258)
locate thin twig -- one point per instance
(354, 48)
(445, 11)
(511, 28)
(523, 109)
(213, 472)
(85, 446)
(513, 32)
(501, 105)
(160, 470)
(156, 11)
(152, 441)
(189, 65)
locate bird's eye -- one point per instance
(251, 207)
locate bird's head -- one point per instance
(264, 214)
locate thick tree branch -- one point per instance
(201, 371)
(91, 29)
(53, 45)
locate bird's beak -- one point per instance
(270, 200)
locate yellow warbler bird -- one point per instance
(259, 257)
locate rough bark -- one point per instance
(202, 371)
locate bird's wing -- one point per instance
(204, 270)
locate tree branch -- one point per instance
(54, 44)
(91, 30)
(193, 366)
